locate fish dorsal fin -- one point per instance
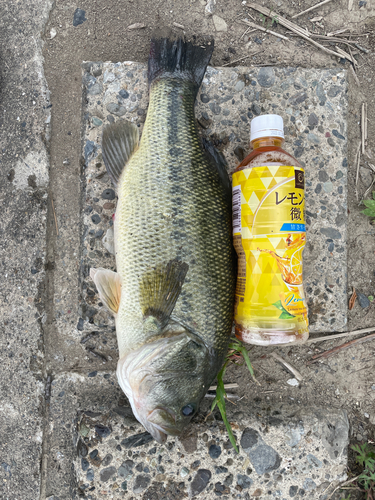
(108, 284)
(218, 162)
(119, 141)
(159, 290)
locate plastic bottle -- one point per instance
(269, 237)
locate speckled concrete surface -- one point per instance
(313, 104)
(284, 451)
(25, 116)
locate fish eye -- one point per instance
(188, 410)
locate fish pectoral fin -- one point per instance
(160, 288)
(119, 141)
(108, 284)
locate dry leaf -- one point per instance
(352, 299)
(316, 19)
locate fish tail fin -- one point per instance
(179, 59)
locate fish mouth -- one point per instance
(162, 421)
(157, 434)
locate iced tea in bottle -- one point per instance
(269, 238)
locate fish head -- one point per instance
(165, 381)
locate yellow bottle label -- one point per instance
(269, 237)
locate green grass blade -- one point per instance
(238, 346)
(221, 406)
(220, 402)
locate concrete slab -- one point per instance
(284, 452)
(313, 104)
(24, 168)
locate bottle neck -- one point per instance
(262, 142)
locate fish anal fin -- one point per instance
(119, 141)
(160, 288)
(108, 284)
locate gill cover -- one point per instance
(163, 378)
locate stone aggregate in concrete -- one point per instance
(284, 452)
(313, 104)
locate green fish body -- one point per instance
(173, 292)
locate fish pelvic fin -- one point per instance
(159, 290)
(119, 141)
(179, 59)
(108, 284)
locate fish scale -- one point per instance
(171, 205)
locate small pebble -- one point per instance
(256, 109)
(214, 451)
(81, 449)
(102, 431)
(141, 483)
(215, 108)
(219, 23)
(96, 121)
(99, 233)
(199, 482)
(293, 382)
(266, 77)
(90, 475)
(107, 473)
(85, 464)
(108, 194)
(363, 301)
(79, 17)
(115, 109)
(137, 440)
(107, 460)
(210, 8)
(95, 218)
(221, 470)
(244, 481)
(239, 86)
(124, 94)
(184, 472)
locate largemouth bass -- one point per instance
(173, 292)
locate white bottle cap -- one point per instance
(266, 126)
